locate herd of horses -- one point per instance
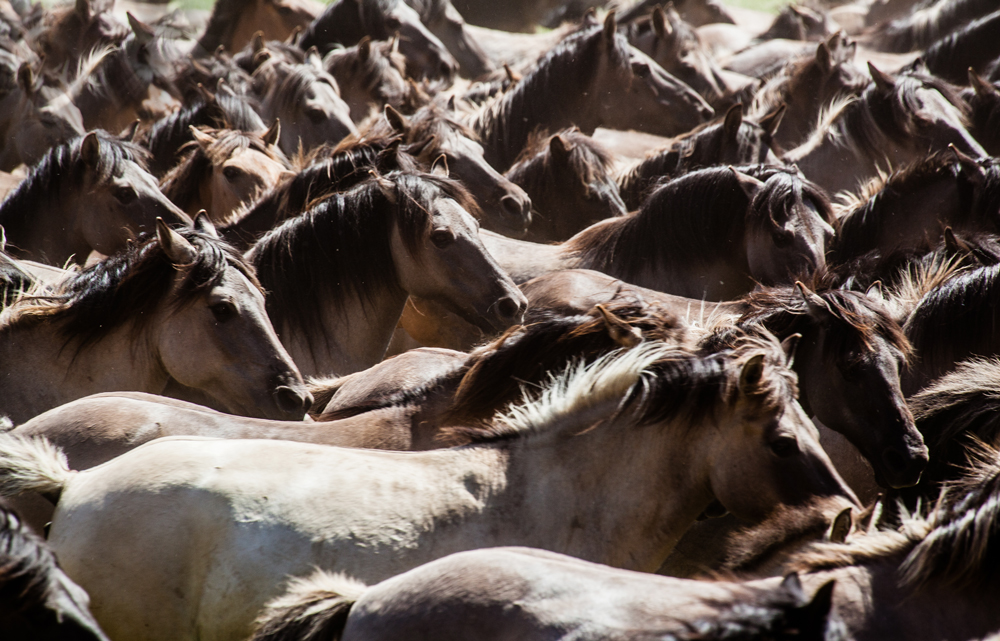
(408, 319)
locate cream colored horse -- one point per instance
(188, 538)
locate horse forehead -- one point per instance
(444, 208)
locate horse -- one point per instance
(443, 20)
(675, 46)
(928, 23)
(305, 98)
(370, 75)
(634, 93)
(435, 130)
(984, 107)
(346, 22)
(568, 177)
(467, 595)
(951, 323)
(894, 122)
(970, 47)
(652, 408)
(40, 603)
(165, 137)
(94, 187)
(806, 87)
(729, 140)
(224, 168)
(70, 32)
(849, 347)
(34, 118)
(930, 579)
(337, 276)
(177, 304)
(233, 23)
(913, 206)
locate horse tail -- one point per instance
(32, 464)
(312, 609)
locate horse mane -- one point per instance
(27, 565)
(169, 134)
(876, 118)
(62, 168)
(859, 319)
(345, 22)
(955, 319)
(562, 76)
(125, 289)
(703, 209)
(702, 147)
(587, 159)
(330, 171)
(182, 183)
(929, 23)
(973, 44)
(340, 247)
(14, 281)
(654, 381)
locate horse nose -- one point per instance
(516, 208)
(292, 402)
(903, 468)
(448, 69)
(511, 310)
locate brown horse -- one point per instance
(177, 304)
(223, 169)
(234, 22)
(97, 189)
(34, 118)
(569, 178)
(371, 75)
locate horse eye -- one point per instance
(784, 446)
(223, 311)
(284, 10)
(442, 238)
(392, 23)
(316, 115)
(783, 238)
(125, 195)
(640, 69)
(231, 173)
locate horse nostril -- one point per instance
(292, 402)
(513, 207)
(510, 310)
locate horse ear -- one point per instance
(814, 614)
(83, 10)
(204, 139)
(752, 374)
(558, 149)
(144, 34)
(814, 303)
(451, 103)
(440, 166)
(748, 184)
(980, 85)
(177, 248)
(824, 57)
(293, 37)
(840, 527)
(26, 78)
(3, 239)
(610, 28)
(90, 150)
(772, 121)
(589, 18)
(882, 80)
(731, 123)
(877, 290)
(365, 48)
(129, 133)
(204, 224)
(257, 42)
(273, 133)
(512, 76)
(789, 345)
(791, 583)
(397, 121)
(661, 26)
(968, 165)
(619, 331)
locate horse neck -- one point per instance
(505, 125)
(524, 260)
(817, 155)
(355, 336)
(42, 371)
(667, 488)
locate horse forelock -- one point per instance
(26, 564)
(125, 289)
(287, 82)
(586, 159)
(782, 193)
